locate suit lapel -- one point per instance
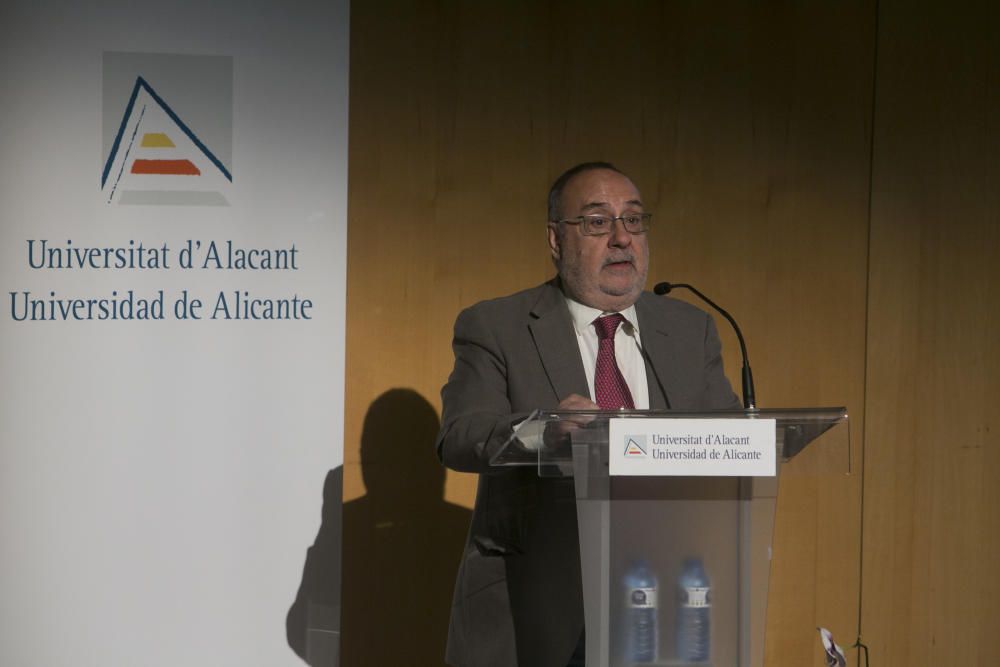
(661, 353)
(552, 331)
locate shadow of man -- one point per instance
(401, 542)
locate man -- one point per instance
(518, 598)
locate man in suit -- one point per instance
(518, 598)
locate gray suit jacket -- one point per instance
(518, 599)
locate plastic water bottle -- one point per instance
(693, 612)
(640, 613)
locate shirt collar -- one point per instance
(584, 316)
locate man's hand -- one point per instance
(577, 402)
(557, 432)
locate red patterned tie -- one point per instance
(609, 384)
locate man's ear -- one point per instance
(554, 246)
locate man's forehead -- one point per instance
(599, 188)
(598, 204)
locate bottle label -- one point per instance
(641, 598)
(696, 596)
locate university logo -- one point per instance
(635, 446)
(160, 152)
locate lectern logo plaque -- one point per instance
(692, 447)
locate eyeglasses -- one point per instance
(601, 225)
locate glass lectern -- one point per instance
(662, 522)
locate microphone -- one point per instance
(749, 401)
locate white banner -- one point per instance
(173, 188)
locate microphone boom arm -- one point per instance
(749, 400)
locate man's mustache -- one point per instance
(614, 259)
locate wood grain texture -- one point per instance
(932, 504)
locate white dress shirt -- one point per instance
(628, 353)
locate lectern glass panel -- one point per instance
(675, 569)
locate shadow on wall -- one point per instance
(401, 547)
(313, 622)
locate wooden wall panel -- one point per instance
(445, 161)
(932, 502)
(746, 127)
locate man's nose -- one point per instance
(619, 236)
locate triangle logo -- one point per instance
(633, 448)
(156, 159)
